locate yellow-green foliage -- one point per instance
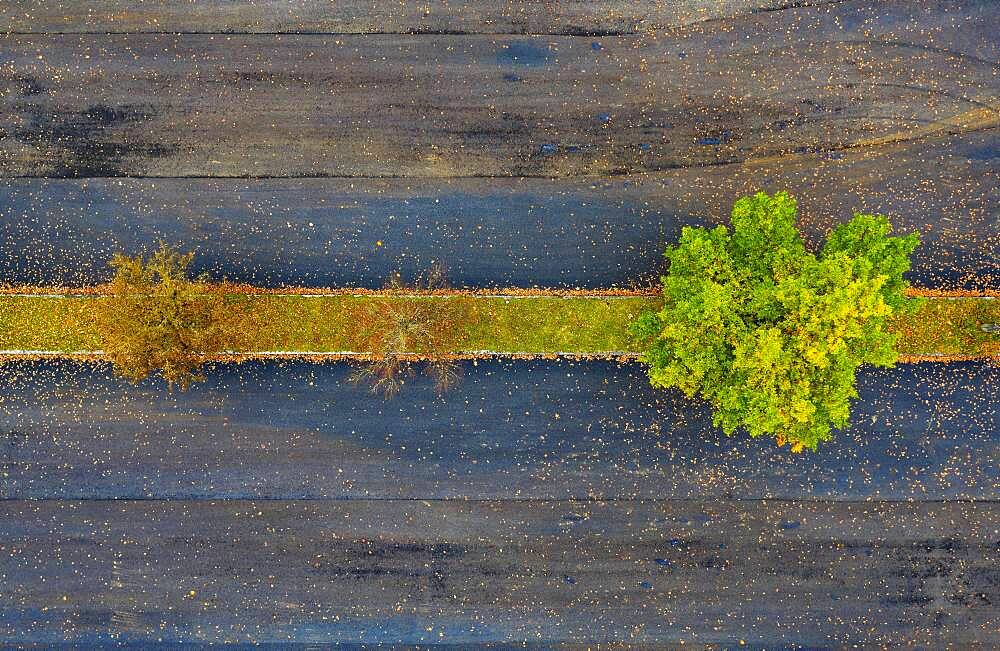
(769, 333)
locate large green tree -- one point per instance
(770, 334)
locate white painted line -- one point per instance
(350, 353)
(504, 296)
(46, 295)
(51, 352)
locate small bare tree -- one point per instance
(398, 327)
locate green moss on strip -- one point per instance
(513, 325)
(50, 324)
(950, 326)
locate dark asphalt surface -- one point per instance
(509, 430)
(587, 233)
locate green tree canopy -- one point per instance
(154, 317)
(770, 334)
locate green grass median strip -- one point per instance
(950, 326)
(49, 324)
(584, 325)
